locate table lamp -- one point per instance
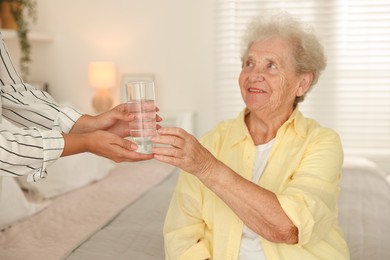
(101, 76)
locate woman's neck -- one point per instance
(263, 127)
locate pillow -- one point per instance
(13, 204)
(357, 162)
(364, 209)
(69, 173)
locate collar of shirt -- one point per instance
(240, 131)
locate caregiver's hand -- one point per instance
(103, 143)
(184, 151)
(118, 121)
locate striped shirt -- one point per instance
(31, 125)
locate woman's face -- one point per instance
(268, 80)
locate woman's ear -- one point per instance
(304, 84)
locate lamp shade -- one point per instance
(101, 75)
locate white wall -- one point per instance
(172, 39)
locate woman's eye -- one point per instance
(248, 64)
(271, 65)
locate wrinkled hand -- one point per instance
(113, 147)
(183, 151)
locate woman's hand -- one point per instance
(117, 121)
(104, 144)
(183, 151)
(115, 148)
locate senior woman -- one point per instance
(263, 185)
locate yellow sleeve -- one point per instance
(310, 198)
(184, 227)
(199, 251)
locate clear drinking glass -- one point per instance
(141, 101)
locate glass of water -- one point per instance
(140, 97)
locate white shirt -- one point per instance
(250, 247)
(34, 139)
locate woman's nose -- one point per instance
(256, 75)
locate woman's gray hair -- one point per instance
(308, 52)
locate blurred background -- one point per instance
(191, 50)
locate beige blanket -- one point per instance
(74, 217)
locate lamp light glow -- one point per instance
(102, 76)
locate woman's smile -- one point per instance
(256, 90)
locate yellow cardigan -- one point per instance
(303, 170)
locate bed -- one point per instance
(76, 216)
(120, 216)
(364, 209)
(83, 197)
(142, 239)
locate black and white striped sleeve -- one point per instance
(28, 151)
(34, 139)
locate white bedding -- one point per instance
(364, 210)
(72, 218)
(136, 233)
